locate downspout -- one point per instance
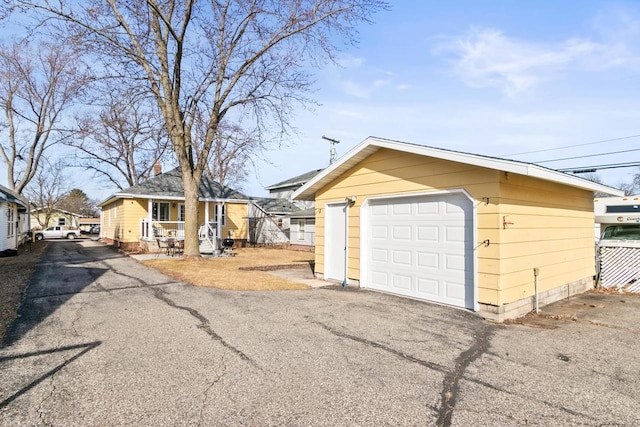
(347, 202)
(536, 272)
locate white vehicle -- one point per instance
(618, 249)
(619, 214)
(57, 232)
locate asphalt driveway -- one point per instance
(104, 340)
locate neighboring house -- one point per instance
(303, 228)
(14, 219)
(298, 224)
(465, 230)
(284, 189)
(85, 224)
(139, 215)
(57, 216)
(269, 221)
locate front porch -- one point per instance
(153, 232)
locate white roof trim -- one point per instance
(373, 144)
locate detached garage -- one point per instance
(460, 229)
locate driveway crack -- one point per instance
(397, 353)
(205, 393)
(450, 384)
(204, 324)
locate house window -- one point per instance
(301, 229)
(224, 213)
(62, 222)
(160, 211)
(181, 214)
(10, 221)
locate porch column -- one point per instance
(149, 219)
(206, 215)
(219, 220)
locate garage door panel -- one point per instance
(427, 208)
(402, 282)
(429, 252)
(427, 287)
(401, 209)
(380, 255)
(402, 232)
(380, 279)
(380, 232)
(402, 258)
(426, 233)
(427, 259)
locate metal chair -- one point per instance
(163, 245)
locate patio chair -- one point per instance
(163, 245)
(178, 247)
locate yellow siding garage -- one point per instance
(521, 217)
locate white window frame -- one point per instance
(10, 221)
(224, 213)
(157, 210)
(181, 212)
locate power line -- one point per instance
(572, 146)
(599, 167)
(588, 155)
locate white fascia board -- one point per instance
(372, 144)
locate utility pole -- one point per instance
(332, 148)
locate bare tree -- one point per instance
(46, 190)
(37, 84)
(229, 59)
(123, 141)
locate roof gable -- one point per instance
(373, 144)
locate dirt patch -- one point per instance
(542, 320)
(246, 271)
(16, 272)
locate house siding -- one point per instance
(552, 230)
(121, 219)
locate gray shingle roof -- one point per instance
(169, 184)
(296, 180)
(275, 206)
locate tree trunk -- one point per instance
(191, 208)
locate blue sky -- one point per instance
(486, 77)
(493, 77)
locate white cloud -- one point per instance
(349, 61)
(488, 58)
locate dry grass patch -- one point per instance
(15, 273)
(225, 273)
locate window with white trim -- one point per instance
(224, 213)
(160, 211)
(10, 221)
(301, 229)
(181, 214)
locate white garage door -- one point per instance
(422, 247)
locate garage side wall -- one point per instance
(548, 226)
(389, 172)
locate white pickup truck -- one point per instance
(57, 232)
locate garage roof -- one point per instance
(373, 144)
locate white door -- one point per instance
(422, 247)
(334, 242)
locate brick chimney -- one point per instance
(157, 169)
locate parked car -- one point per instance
(57, 232)
(95, 229)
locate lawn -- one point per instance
(240, 272)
